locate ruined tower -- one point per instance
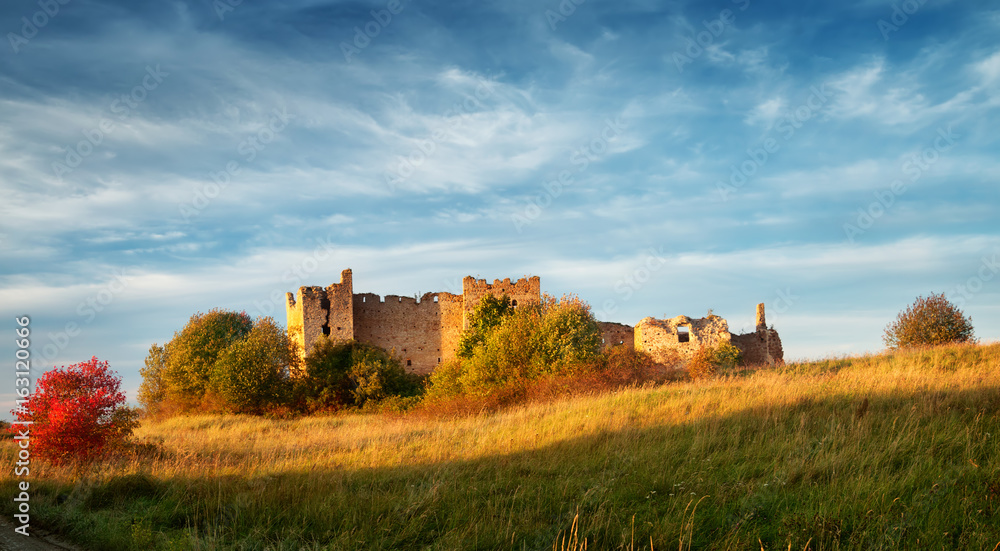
(521, 292)
(319, 311)
(763, 346)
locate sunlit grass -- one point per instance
(887, 451)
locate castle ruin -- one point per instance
(426, 332)
(423, 332)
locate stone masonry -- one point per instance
(425, 332)
(422, 332)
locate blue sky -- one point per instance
(832, 160)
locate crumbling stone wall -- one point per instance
(521, 292)
(680, 336)
(426, 332)
(762, 346)
(614, 334)
(422, 332)
(319, 311)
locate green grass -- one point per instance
(877, 452)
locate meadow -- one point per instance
(892, 451)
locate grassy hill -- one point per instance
(878, 452)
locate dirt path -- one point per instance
(39, 540)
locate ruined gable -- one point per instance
(681, 335)
(318, 311)
(762, 346)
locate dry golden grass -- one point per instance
(886, 451)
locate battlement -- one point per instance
(427, 298)
(524, 285)
(526, 290)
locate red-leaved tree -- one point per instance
(77, 412)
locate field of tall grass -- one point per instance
(892, 451)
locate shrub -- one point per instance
(77, 413)
(250, 374)
(351, 373)
(709, 360)
(555, 337)
(929, 321)
(726, 355)
(626, 364)
(567, 335)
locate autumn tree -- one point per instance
(77, 413)
(930, 320)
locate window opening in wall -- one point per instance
(326, 330)
(439, 360)
(683, 334)
(435, 298)
(513, 303)
(409, 363)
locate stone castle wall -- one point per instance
(680, 336)
(760, 347)
(317, 312)
(614, 334)
(521, 292)
(422, 333)
(425, 332)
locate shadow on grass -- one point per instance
(907, 470)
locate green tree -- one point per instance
(219, 359)
(555, 337)
(930, 320)
(489, 313)
(346, 373)
(151, 391)
(251, 373)
(193, 351)
(567, 335)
